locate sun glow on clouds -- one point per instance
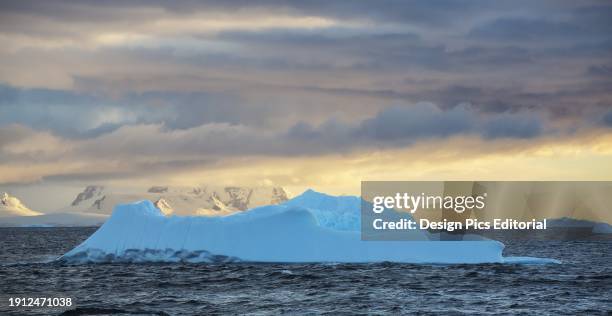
(114, 39)
(457, 158)
(218, 23)
(163, 30)
(167, 28)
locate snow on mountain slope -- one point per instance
(140, 232)
(14, 214)
(11, 206)
(203, 200)
(91, 192)
(163, 206)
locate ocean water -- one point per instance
(582, 284)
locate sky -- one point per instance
(301, 94)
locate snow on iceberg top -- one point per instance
(334, 212)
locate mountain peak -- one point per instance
(158, 189)
(8, 200)
(181, 200)
(91, 191)
(163, 206)
(12, 206)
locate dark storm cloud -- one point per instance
(393, 127)
(405, 125)
(516, 126)
(604, 71)
(420, 121)
(382, 51)
(425, 120)
(525, 29)
(83, 115)
(581, 23)
(63, 112)
(192, 109)
(607, 119)
(333, 37)
(12, 95)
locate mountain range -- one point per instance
(95, 203)
(201, 200)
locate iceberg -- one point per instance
(313, 227)
(602, 228)
(568, 222)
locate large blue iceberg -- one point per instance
(313, 227)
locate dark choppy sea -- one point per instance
(581, 285)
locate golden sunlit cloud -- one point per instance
(458, 159)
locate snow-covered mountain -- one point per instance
(201, 200)
(91, 192)
(164, 207)
(14, 213)
(11, 206)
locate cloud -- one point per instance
(412, 123)
(397, 126)
(429, 13)
(512, 126)
(607, 119)
(422, 121)
(21, 144)
(85, 115)
(215, 58)
(339, 172)
(125, 87)
(603, 71)
(522, 29)
(64, 112)
(578, 24)
(13, 133)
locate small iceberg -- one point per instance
(574, 223)
(313, 227)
